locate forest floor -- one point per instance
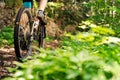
(7, 54)
(7, 57)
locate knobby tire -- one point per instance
(17, 42)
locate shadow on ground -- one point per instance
(7, 57)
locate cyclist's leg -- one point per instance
(42, 4)
(40, 12)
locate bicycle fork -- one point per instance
(34, 28)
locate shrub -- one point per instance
(79, 58)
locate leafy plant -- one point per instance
(84, 56)
(6, 36)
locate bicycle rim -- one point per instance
(22, 33)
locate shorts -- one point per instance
(28, 3)
(30, 0)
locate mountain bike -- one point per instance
(25, 32)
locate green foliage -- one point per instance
(70, 11)
(6, 36)
(54, 9)
(104, 12)
(9, 3)
(84, 56)
(13, 3)
(102, 30)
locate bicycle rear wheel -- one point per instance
(22, 29)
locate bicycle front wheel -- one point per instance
(22, 29)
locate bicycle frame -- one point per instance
(24, 35)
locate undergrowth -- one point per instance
(6, 36)
(91, 55)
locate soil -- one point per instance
(7, 57)
(7, 54)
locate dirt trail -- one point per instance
(7, 54)
(7, 57)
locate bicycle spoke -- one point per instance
(22, 33)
